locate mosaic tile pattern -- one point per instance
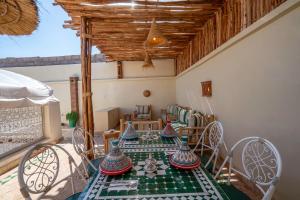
(170, 184)
(157, 142)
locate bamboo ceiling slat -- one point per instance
(194, 28)
(235, 16)
(120, 27)
(155, 3)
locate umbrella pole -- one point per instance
(87, 106)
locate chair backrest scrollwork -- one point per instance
(261, 163)
(215, 134)
(39, 168)
(78, 140)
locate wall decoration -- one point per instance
(146, 93)
(206, 88)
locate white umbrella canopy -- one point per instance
(19, 90)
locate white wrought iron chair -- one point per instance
(261, 163)
(78, 141)
(39, 169)
(213, 132)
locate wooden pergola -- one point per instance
(118, 28)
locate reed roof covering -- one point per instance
(18, 17)
(120, 27)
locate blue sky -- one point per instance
(50, 38)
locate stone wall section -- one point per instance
(43, 61)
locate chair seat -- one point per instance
(233, 193)
(143, 116)
(168, 116)
(74, 196)
(96, 163)
(176, 125)
(204, 160)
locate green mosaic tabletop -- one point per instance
(155, 142)
(165, 184)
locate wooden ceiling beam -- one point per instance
(136, 14)
(119, 28)
(186, 19)
(143, 30)
(137, 3)
(140, 53)
(141, 27)
(173, 9)
(145, 22)
(138, 47)
(136, 42)
(135, 36)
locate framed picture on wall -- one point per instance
(206, 88)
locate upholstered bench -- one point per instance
(186, 121)
(169, 114)
(142, 112)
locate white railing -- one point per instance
(19, 127)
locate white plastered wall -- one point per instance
(256, 90)
(107, 90)
(124, 94)
(101, 70)
(52, 121)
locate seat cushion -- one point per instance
(197, 120)
(183, 115)
(96, 163)
(176, 125)
(142, 109)
(143, 116)
(163, 116)
(74, 196)
(172, 109)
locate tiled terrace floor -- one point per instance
(9, 186)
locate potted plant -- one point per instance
(72, 117)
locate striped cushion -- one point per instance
(196, 120)
(172, 109)
(178, 109)
(143, 116)
(176, 125)
(142, 109)
(184, 116)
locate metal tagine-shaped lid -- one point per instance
(168, 131)
(115, 162)
(150, 164)
(130, 132)
(184, 158)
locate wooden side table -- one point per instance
(107, 136)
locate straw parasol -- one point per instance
(18, 17)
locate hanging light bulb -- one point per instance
(148, 62)
(155, 37)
